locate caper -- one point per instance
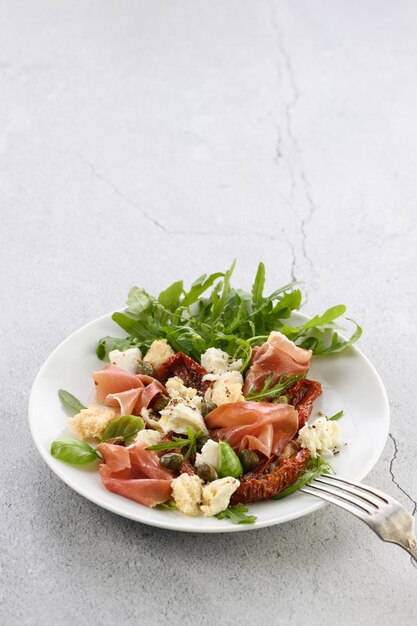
(282, 400)
(201, 441)
(160, 403)
(117, 441)
(172, 461)
(207, 473)
(207, 407)
(145, 368)
(249, 460)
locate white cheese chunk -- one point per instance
(177, 389)
(321, 436)
(149, 437)
(217, 362)
(127, 359)
(186, 491)
(228, 388)
(210, 454)
(91, 422)
(158, 353)
(216, 495)
(180, 414)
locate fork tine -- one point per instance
(351, 506)
(365, 496)
(360, 486)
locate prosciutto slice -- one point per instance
(118, 388)
(260, 426)
(147, 491)
(112, 379)
(147, 462)
(116, 458)
(276, 356)
(132, 402)
(135, 473)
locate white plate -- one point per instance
(350, 382)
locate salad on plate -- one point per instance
(204, 406)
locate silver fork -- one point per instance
(387, 518)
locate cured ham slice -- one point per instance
(147, 462)
(260, 426)
(132, 402)
(147, 491)
(276, 356)
(126, 400)
(116, 458)
(148, 395)
(111, 380)
(135, 473)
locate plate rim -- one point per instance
(223, 527)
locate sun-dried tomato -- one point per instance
(274, 479)
(301, 395)
(190, 372)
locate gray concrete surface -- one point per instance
(145, 141)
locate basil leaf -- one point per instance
(230, 464)
(236, 514)
(170, 297)
(71, 401)
(126, 426)
(258, 285)
(73, 451)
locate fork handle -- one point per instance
(412, 549)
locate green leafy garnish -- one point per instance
(126, 426)
(267, 391)
(73, 451)
(335, 417)
(167, 506)
(314, 468)
(236, 514)
(212, 313)
(178, 443)
(71, 401)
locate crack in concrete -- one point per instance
(289, 107)
(119, 193)
(391, 471)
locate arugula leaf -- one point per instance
(126, 426)
(199, 287)
(167, 506)
(314, 468)
(178, 443)
(138, 300)
(283, 383)
(170, 297)
(335, 417)
(107, 344)
(71, 401)
(258, 285)
(318, 320)
(214, 314)
(73, 451)
(236, 514)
